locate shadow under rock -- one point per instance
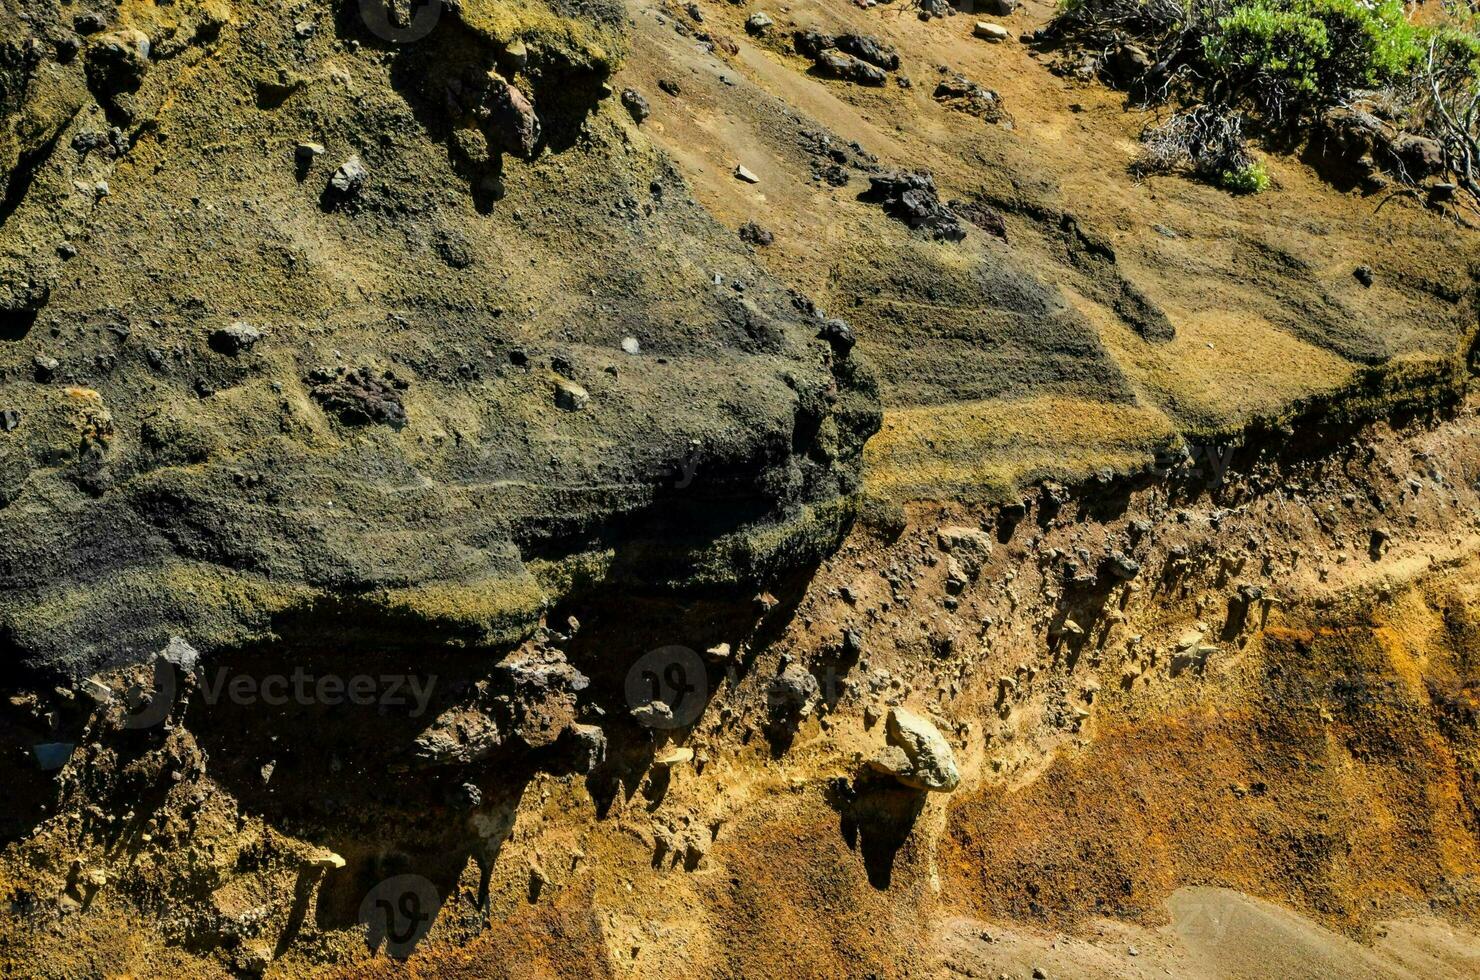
(876, 817)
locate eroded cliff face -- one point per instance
(437, 536)
(294, 322)
(1255, 676)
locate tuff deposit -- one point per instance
(538, 488)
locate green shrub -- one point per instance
(1262, 41)
(1456, 56)
(1286, 60)
(1292, 53)
(1249, 179)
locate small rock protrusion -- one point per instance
(654, 714)
(913, 199)
(516, 53)
(1250, 593)
(1071, 628)
(358, 397)
(467, 796)
(968, 548)
(590, 748)
(570, 397)
(117, 62)
(917, 754)
(636, 105)
(326, 861)
(956, 577)
(960, 93)
(744, 173)
(988, 31)
(793, 692)
(1122, 567)
(304, 155)
(850, 69)
(839, 336)
(350, 178)
(513, 118)
(753, 234)
(759, 22)
(673, 756)
(239, 336)
(954, 539)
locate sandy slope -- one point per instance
(1214, 934)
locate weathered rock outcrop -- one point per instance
(396, 433)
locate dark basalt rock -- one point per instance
(512, 118)
(358, 397)
(811, 42)
(636, 105)
(850, 69)
(839, 335)
(982, 216)
(859, 58)
(961, 93)
(754, 234)
(912, 198)
(866, 47)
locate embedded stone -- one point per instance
(931, 763)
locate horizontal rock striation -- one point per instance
(332, 320)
